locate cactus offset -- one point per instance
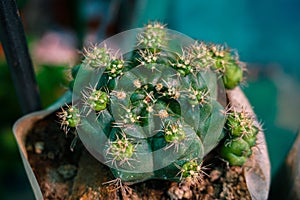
(69, 118)
(242, 137)
(154, 111)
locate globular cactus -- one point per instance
(156, 110)
(242, 137)
(70, 118)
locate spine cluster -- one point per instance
(242, 137)
(69, 118)
(171, 107)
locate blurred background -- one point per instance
(266, 34)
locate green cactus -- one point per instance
(97, 57)
(153, 37)
(121, 149)
(241, 138)
(156, 113)
(96, 100)
(69, 118)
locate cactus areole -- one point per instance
(151, 101)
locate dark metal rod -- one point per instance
(15, 47)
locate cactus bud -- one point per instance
(121, 149)
(115, 68)
(69, 118)
(95, 99)
(174, 133)
(154, 37)
(233, 75)
(96, 57)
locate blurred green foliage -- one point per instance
(52, 82)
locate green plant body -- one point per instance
(241, 138)
(155, 111)
(70, 118)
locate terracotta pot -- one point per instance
(257, 168)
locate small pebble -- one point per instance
(39, 147)
(29, 148)
(210, 190)
(188, 194)
(67, 171)
(179, 193)
(51, 155)
(215, 175)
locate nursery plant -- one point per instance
(154, 106)
(149, 113)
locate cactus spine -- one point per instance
(157, 108)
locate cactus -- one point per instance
(69, 118)
(242, 137)
(155, 111)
